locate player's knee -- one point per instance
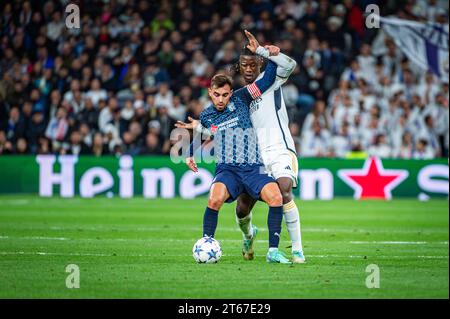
(215, 203)
(285, 186)
(275, 199)
(287, 196)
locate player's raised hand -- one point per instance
(191, 164)
(273, 49)
(253, 44)
(189, 126)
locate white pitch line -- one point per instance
(35, 237)
(149, 240)
(40, 253)
(221, 241)
(228, 229)
(400, 242)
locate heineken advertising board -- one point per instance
(160, 177)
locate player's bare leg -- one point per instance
(291, 218)
(218, 194)
(244, 207)
(272, 196)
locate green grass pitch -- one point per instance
(140, 248)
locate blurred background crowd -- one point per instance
(118, 83)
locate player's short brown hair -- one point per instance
(220, 80)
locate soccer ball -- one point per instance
(207, 250)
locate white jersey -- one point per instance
(269, 114)
(269, 118)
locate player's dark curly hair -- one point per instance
(235, 68)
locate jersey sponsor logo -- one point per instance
(229, 123)
(254, 105)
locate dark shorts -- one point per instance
(250, 179)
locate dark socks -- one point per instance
(210, 222)
(274, 220)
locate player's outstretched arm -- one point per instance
(190, 162)
(189, 126)
(198, 126)
(257, 88)
(286, 65)
(194, 125)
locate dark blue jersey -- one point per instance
(234, 137)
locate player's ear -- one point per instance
(261, 61)
(236, 68)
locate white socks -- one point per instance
(292, 220)
(245, 224)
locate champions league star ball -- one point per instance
(207, 250)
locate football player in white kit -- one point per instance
(270, 119)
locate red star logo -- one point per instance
(373, 181)
(214, 128)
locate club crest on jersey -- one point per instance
(214, 128)
(231, 107)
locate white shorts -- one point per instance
(282, 163)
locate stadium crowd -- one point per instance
(118, 83)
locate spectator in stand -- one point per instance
(422, 150)
(164, 97)
(77, 146)
(106, 114)
(317, 142)
(178, 110)
(405, 149)
(35, 131)
(58, 126)
(96, 93)
(99, 148)
(152, 145)
(342, 143)
(21, 147)
(5, 145)
(380, 147)
(15, 125)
